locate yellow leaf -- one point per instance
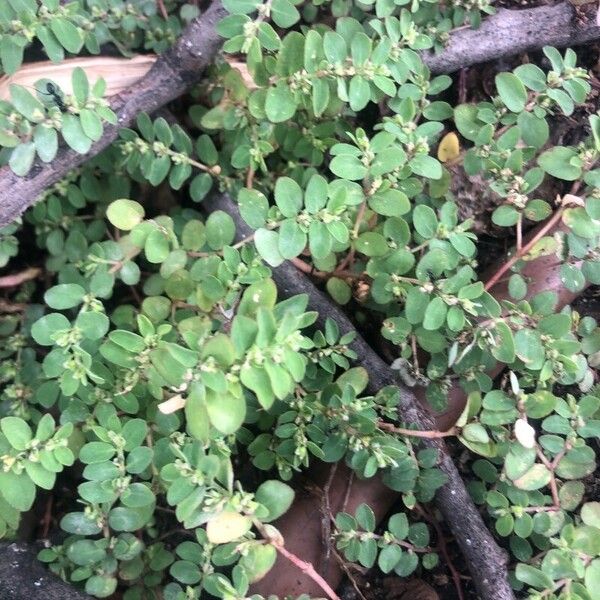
(449, 148)
(227, 527)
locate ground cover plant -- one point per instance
(299, 304)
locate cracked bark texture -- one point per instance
(175, 71)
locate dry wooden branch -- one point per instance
(510, 32)
(485, 559)
(506, 33)
(171, 75)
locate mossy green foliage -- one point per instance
(158, 393)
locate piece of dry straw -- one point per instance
(119, 73)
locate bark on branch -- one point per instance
(485, 559)
(506, 33)
(510, 32)
(171, 75)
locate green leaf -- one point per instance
(267, 244)
(79, 523)
(129, 519)
(288, 197)
(532, 76)
(80, 84)
(320, 240)
(226, 413)
(258, 561)
(17, 432)
(17, 490)
(101, 586)
(241, 7)
(465, 117)
(11, 54)
(21, 158)
(347, 166)
(592, 579)
(339, 290)
(91, 124)
(197, 419)
(425, 221)
(359, 93)
(67, 34)
(137, 495)
(426, 166)
(535, 478)
(561, 162)
(391, 203)
(590, 514)
(511, 91)
(284, 13)
(74, 135)
(435, 314)
(125, 214)
(517, 287)
(46, 327)
(46, 142)
(398, 526)
(291, 239)
(365, 517)
(64, 295)
(371, 243)
(572, 277)
(334, 47)
(534, 130)
(193, 236)
(533, 577)
(220, 229)
(529, 348)
(27, 104)
(505, 216)
(276, 496)
(280, 104)
(253, 207)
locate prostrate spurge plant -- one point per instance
(162, 361)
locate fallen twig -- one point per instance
(304, 566)
(19, 278)
(175, 71)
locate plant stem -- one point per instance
(550, 223)
(19, 278)
(416, 433)
(306, 567)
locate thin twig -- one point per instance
(326, 511)
(550, 223)
(306, 567)
(19, 278)
(444, 550)
(415, 433)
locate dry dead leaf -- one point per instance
(119, 73)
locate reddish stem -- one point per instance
(19, 278)
(550, 223)
(307, 569)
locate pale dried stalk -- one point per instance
(119, 73)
